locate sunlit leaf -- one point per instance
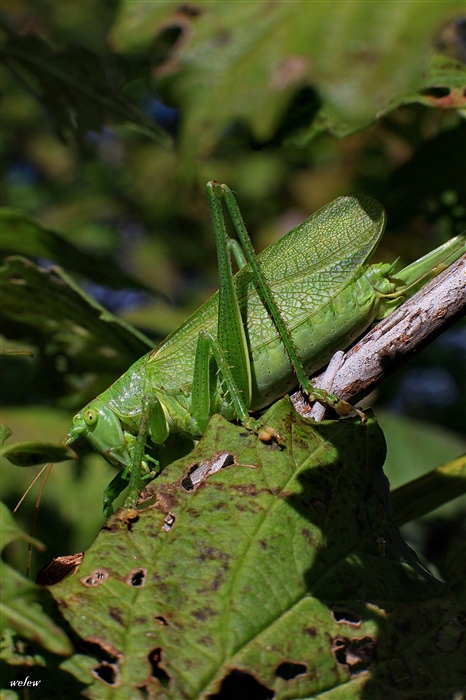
(242, 62)
(263, 564)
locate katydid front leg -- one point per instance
(152, 421)
(216, 191)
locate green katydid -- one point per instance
(280, 318)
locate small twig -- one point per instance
(397, 338)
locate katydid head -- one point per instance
(103, 430)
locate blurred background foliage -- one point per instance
(116, 114)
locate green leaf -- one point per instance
(31, 453)
(415, 447)
(71, 84)
(5, 433)
(430, 491)
(24, 235)
(274, 564)
(363, 58)
(446, 73)
(20, 609)
(10, 531)
(48, 308)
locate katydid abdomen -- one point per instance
(281, 318)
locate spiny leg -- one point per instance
(207, 345)
(229, 348)
(136, 483)
(343, 408)
(230, 330)
(111, 493)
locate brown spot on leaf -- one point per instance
(245, 489)
(307, 534)
(168, 522)
(117, 615)
(202, 614)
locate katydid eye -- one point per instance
(90, 417)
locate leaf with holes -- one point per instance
(268, 567)
(249, 59)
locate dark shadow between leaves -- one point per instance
(370, 572)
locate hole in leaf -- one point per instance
(343, 615)
(435, 92)
(228, 462)
(101, 649)
(186, 483)
(161, 620)
(108, 673)
(95, 578)
(357, 655)
(155, 658)
(164, 43)
(201, 470)
(289, 670)
(144, 692)
(240, 685)
(109, 670)
(137, 578)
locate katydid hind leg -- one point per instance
(237, 252)
(136, 477)
(206, 348)
(230, 331)
(343, 408)
(230, 348)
